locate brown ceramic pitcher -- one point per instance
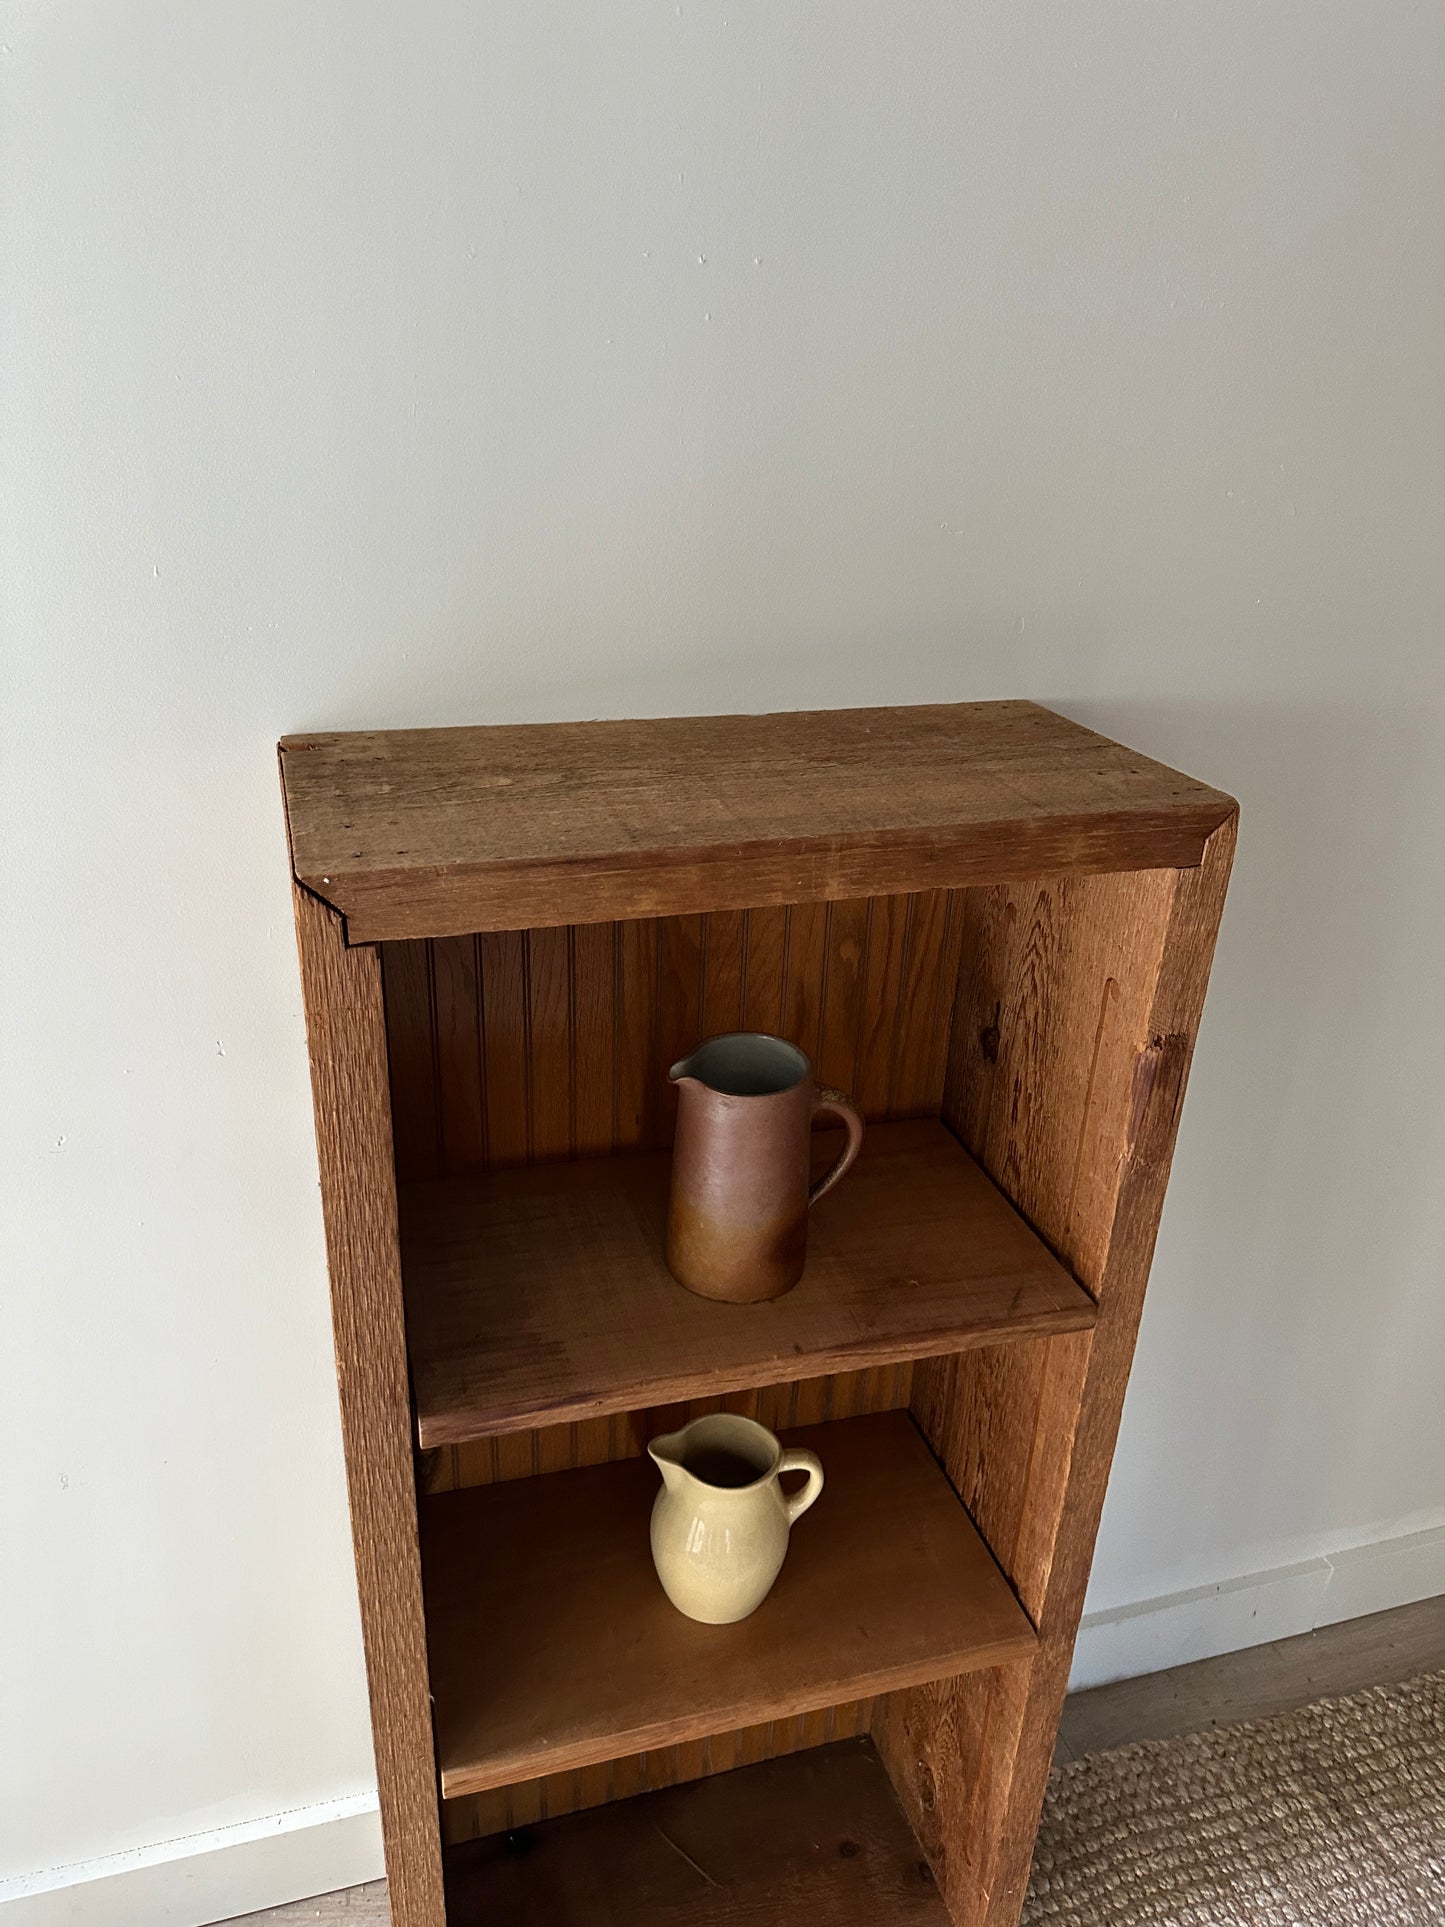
(737, 1222)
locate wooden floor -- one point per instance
(1215, 1692)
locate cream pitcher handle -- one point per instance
(795, 1460)
(842, 1108)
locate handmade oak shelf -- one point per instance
(994, 929)
(553, 1646)
(542, 1295)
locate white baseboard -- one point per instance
(207, 1876)
(1211, 1620)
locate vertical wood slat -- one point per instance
(347, 1045)
(594, 1043)
(925, 993)
(844, 991)
(680, 956)
(637, 1073)
(724, 964)
(548, 1055)
(456, 1008)
(805, 973)
(506, 1046)
(765, 965)
(411, 1053)
(1078, 1007)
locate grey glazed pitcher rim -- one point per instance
(738, 1082)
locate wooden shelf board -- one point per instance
(540, 1295)
(816, 1837)
(439, 832)
(552, 1645)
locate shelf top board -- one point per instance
(439, 832)
(553, 1646)
(539, 1296)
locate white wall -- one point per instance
(418, 364)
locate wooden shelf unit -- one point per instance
(990, 925)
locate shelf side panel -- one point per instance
(347, 1048)
(1079, 1000)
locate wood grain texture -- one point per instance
(543, 1295)
(347, 1046)
(817, 1839)
(1079, 1006)
(445, 832)
(524, 1046)
(554, 1647)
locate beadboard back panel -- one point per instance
(520, 1045)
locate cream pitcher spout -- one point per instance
(667, 1453)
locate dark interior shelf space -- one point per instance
(540, 1295)
(815, 1837)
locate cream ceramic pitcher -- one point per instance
(720, 1523)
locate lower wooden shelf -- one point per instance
(816, 1837)
(552, 1645)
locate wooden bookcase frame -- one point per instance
(1072, 890)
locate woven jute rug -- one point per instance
(1332, 1816)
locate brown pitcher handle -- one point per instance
(840, 1106)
